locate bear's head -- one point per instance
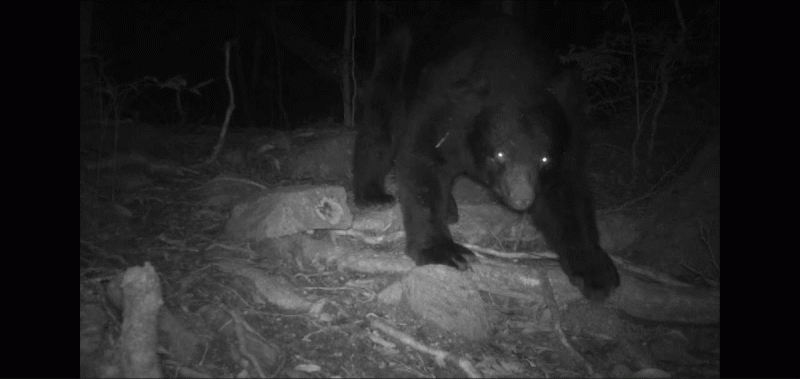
(513, 141)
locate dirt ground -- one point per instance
(292, 315)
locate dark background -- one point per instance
(288, 52)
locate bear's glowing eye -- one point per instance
(500, 156)
(545, 160)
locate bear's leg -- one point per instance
(428, 205)
(564, 213)
(372, 160)
(452, 209)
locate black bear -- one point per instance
(492, 104)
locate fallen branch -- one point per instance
(440, 356)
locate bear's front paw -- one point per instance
(596, 283)
(447, 253)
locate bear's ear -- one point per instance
(570, 91)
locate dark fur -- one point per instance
(494, 105)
